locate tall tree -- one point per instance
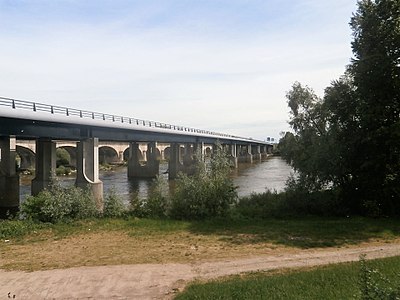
(350, 139)
(376, 72)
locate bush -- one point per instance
(113, 205)
(374, 285)
(16, 228)
(295, 200)
(264, 205)
(59, 204)
(63, 157)
(157, 203)
(61, 170)
(208, 193)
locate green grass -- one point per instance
(329, 282)
(306, 232)
(300, 233)
(18, 229)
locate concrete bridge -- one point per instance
(33, 131)
(109, 152)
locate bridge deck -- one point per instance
(32, 120)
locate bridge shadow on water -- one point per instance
(300, 233)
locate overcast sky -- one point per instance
(223, 65)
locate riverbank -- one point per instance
(29, 247)
(163, 281)
(147, 259)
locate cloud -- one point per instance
(220, 65)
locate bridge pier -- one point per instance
(257, 153)
(45, 165)
(198, 151)
(246, 156)
(9, 179)
(188, 164)
(188, 155)
(233, 155)
(150, 169)
(264, 152)
(87, 170)
(174, 163)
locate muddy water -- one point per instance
(249, 178)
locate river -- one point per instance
(271, 173)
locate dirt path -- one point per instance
(161, 281)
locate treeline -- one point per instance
(347, 143)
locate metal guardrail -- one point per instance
(84, 114)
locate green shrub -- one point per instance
(263, 205)
(63, 157)
(157, 203)
(61, 171)
(206, 194)
(16, 228)
(59, 204)
(113, 205)
(293, 201)
(374, 285)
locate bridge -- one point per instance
(24, 122)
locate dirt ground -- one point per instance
(162, 281)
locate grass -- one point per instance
(300, 232)
(30, 246)
(329, 282)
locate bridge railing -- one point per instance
(84, 114)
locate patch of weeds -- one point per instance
(10, 229)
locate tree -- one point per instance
(350, 139)
(376, 72)
(305, 149)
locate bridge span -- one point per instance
(109, 152)
(28, 123)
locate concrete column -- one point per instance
(174, 165)
(198, 149)
(120, 157)
(246, 156)
(148, 170)
(87, 170)
(45, 165)
(264, 152)
(233, 155)
(9, 179)
(257, 155)
(214, 149)
(249, 155)
(188, 155)
(153, 163)
(133, 160)
(162, 153)
(238, 151)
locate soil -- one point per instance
(162, 281)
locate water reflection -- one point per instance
(249, 178)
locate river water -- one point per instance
(271, 173)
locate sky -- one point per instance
(221, 65)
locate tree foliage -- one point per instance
(350, 139)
